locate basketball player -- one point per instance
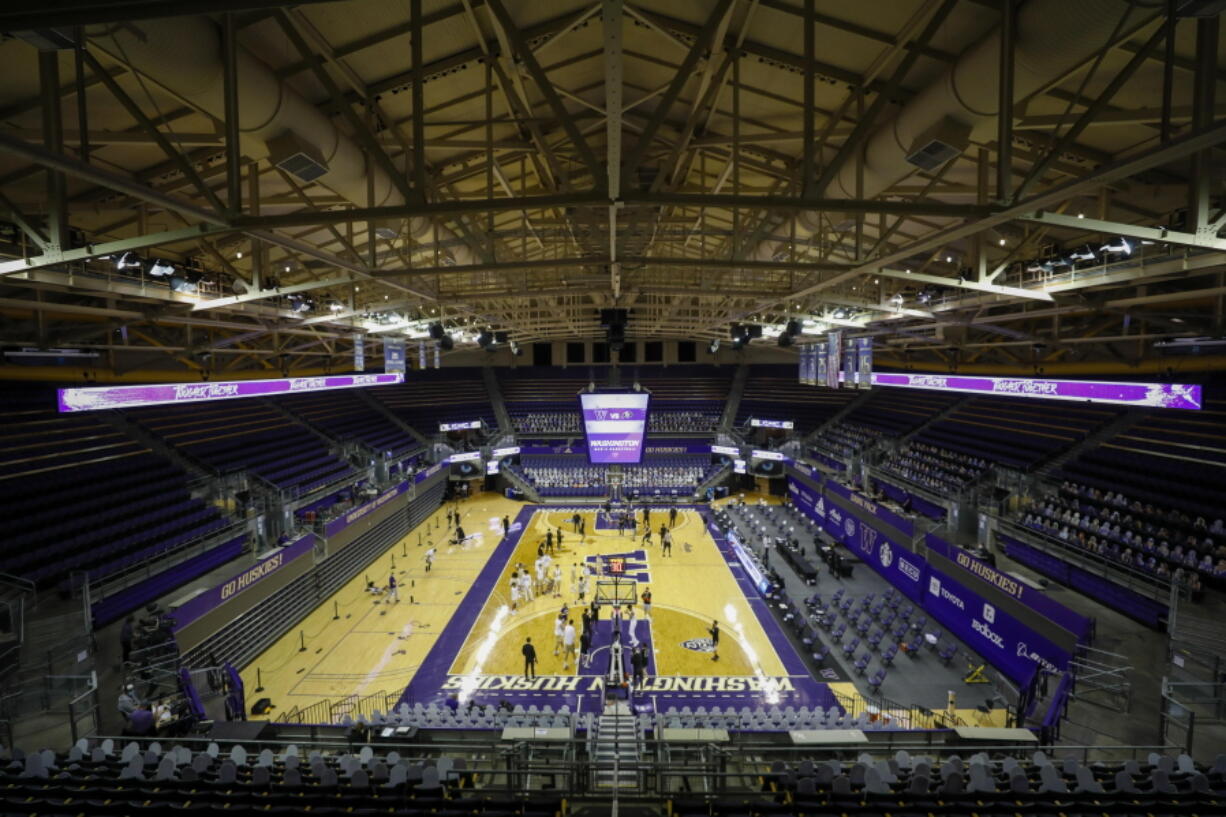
(647, 603)
(393, 593)
(666, 547)
(647, 536)
(714, 631)
(558, 632)
(515, 592)
(568, 645)
(631, 623)
(557, 581)
(559, 540)
(585, 647)
(672, 517)
(430, 557)
(583, 587)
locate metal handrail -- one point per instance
(1156, 588)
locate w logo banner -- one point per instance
(868, 538)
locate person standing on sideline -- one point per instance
(582, 527)
(430, 558)
(529, 652)
(559, 540)
(647, 604)
(558, 628)
(646, 516)
(583, 587)
(585, 647)
(393, 592)
(672, 517)
(549, 541)
(506, 525)
(714, 631)
(663, 530)
(636, 667)
(586, 619)
(568, 645)
(125, 637)
(666, 547)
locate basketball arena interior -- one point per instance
(691, 407)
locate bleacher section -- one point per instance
(895, 413)
(942, 470)
(1160, 540)
(432, 396)
(773, 392)
(98, 778)
(247, 435)
(345, 416)
(1167, 459)
(570, 475)
(80, 496)
(550, 394)
(1015, 432)
(700, 389)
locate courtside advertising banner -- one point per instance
(1008, 645)
(614, 424)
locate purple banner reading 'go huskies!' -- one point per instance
(235, 585)
(1053, 611)
(111, 397)
(1159, 395)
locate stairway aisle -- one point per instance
(616, 741)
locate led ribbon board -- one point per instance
(754, 422)
(112, 397)
(464, 426)
(1157, 395)
(614, 425)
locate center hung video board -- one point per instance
(615, 425)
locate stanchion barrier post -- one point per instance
(336, 610)
(302, 641)
(259, 681)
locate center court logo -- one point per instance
(698, 645)
(886, 554)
